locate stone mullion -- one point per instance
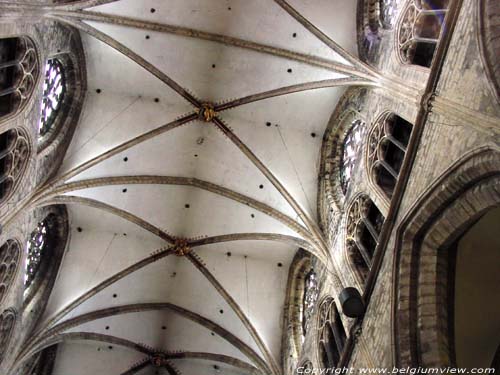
(8, 91)
(8, 64)
(395, 142)
(371, 229)
(387, 167)
(364, 254)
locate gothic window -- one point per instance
(14, 150)
(7, 322)
(387, 146)
(351, 148)
(54, 89)
(305, 368)
(9, 259)
(364, 224)
(18, 73)
(388, 13)
(420, 29)
(311, 294)
(332, 335)
(37, 246)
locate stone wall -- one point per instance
(51, 40)
(463, 118)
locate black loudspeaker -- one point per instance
(352, 303)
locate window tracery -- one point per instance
(14, 151)
(9, 259)
(311, 294)
(420, 29)
(364, 225)
(351, 148)
(18, 73)
(7, 323)
(332, 335)
(36, 247)
(387, 146)
(54, 89)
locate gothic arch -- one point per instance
(8, 319)
(19, 74)
(488, 36)
(36, 295)
(15, 151)
(364, 222)
(53, 144)
(333, 198)
(418, 31)
(331, 334)
(10, 255)
(292, 337)
(387, 143)
(466, 191)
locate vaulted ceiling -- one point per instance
(145, 173)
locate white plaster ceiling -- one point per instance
(255, 272)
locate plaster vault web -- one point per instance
(246, 341)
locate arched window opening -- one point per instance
(18, 73)
(14, 151)
(311, 294)
(387, 146)
(305, 368)
(35, 247)
(54, 89)
(38, 247)
(332, 335)
(9, 259)
(420, 29)
(351, 148)
(364, 225)
(7, 323)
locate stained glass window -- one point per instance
(54, 88)
(350, 152)
(311, 293)
(388, 13)
(36, 246)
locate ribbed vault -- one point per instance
(191, 179)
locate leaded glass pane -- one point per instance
(35, 247)
(311, 294)
(350, 152)
(54, 88)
